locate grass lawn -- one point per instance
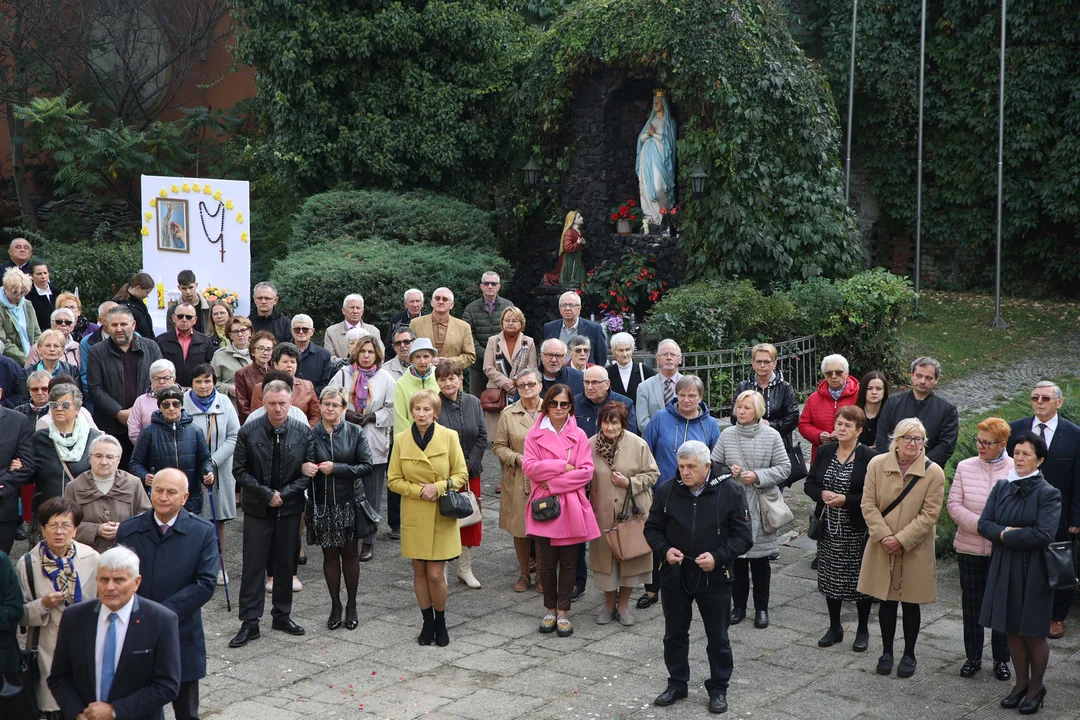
(956, 329)
(1017, 407)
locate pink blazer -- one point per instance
(545, 460)
(971, 485)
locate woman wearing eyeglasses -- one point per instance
(50, 354)
(106, 495)
(162, 375)
(837, 390)
(233, 357)
(507, 354)
(558, 462)
(974, 479)
(901, 502)
(245, 379)
(61, 450)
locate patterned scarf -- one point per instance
(607, 448)
(61, 571)
(360, 389)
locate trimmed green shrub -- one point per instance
(315, 280)
(412, 217)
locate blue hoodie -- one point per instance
(668, 430)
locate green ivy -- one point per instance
(753, 109)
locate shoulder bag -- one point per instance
(1061, 564)
(548, 507)
(492, 400)
(904, 493)
(816, 529)
(18, 690)
(476, 515)
(455, 504)
(772, 509)
(626, 539)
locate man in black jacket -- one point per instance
(274, 464)
(267, 316)
(1061, 469)
(937, 414)
(699, 525)
(183, 345)
(16, 443)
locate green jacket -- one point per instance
(484, 325)
(10, 336)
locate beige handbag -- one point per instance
(476, 516)
(774, 512)
(626, 539)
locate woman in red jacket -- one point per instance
(837, 390)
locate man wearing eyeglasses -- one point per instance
(315, 363)
(267, 317)
(1061, 469)
(556, 370)
(185, 346)
(937, 414)
(451, 337)
(655, 393)
(401, 343)
(573, 324)
(37, 383)
(484, 316)
(16, 443)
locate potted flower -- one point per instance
(622, 215)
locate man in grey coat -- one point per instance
(484, 315)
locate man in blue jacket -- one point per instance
(178, 561)
(573, 324)
(598, 392)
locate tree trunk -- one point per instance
(18, 166)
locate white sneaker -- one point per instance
(222, 578)
(297, 586)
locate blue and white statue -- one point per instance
(656, 163)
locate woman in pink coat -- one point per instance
(558, 462)
(971, 485)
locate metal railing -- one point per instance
(722, 370)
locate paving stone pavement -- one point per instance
(498, 667)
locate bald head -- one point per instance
(597, 384)
(168, 493)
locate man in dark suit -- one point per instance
(315, 363)
(185, 346)
(573, 324)
(19, 251)
(178, 558)
(1061, 469)
(136, 640)
(16, 443)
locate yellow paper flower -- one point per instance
(228, 205)
(240, 217)
(145, 231)
(174, 189)
(206, 189)
(153, 202)
(148, 215)
(195, 187)
(163, 193)
(186, 187)
(243, 237)
(217, 195)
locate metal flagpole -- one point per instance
(998, 322)
(850, 101)
(918, 174)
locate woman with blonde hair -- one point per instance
(507, 354)
(50, 351)
(221, 315)
(901, 502)
(18, 322)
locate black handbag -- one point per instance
(798, 465)
(546, 508)
(816, 529)
(18, 690)
(366, 519)
(1060, 565)
(454, 504)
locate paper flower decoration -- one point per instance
(186, 187)
(217, 195)
(195, 187)
(240, 217)
(243, 237)
(153, 202)
(145, 231)
(163, 193)
(148, 215)
(206, 190)
(174, 189)
(228, 205)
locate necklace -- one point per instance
(220, 211)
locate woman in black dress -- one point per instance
(343, 459)
(835, 482)
(873, 392)
(1020, 519)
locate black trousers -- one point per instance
(715, 608)
(186, 704)
(1062, 598)
(657, 561)
(259, 534)
(762, 573)
(973, 569)
(581, 577)
(7, 535)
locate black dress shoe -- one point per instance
(351, 624)
(884, 664)
(302, 560)
(718, 703)
(669, 696)
(1012, 700)
(813, 563)
(20, 532)
(761, 619)
(578, 592)
(1031, 705)
(970, 668)
(365, 553)
(737, 616)
(1002, 672)
(247, 634)
(831, 637)
(647, 600)
(906, 668)
(287, 626)
(862, 641)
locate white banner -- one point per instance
(197, 224)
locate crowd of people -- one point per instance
(111, 437)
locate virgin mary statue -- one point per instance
(656, 161)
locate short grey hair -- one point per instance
(928, 361)
(334, 391)
(277, 386)
(530, 371)
(1048, 384)
(578, 341)
(162, 364)
(835, 358)
(267, 285)
(119, 558)
(38, 375)
(490, 274)
(183, 304)
(694, 450)
(668, 341)
(413, 291)
(108, 439)
(59, 391)
(11, 245)
(444, 289)
(570, 294)
(302, 318)
(403, 329)
(122, 310)
(620, 339)
(350, 297)
(690, 382)
(551, 342)
(65, 311)
(105, 306)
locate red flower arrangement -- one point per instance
(626, 211)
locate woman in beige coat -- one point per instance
(106, 495)
(623, 463)
(515, 421)
(898, 565)
(506, 355)
(71, 578)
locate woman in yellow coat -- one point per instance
(899, 566)
(426, 463)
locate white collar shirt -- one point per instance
(122, 621)
(1051, 428)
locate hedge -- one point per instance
(318, 278)
(411, 217)
(859, 317)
